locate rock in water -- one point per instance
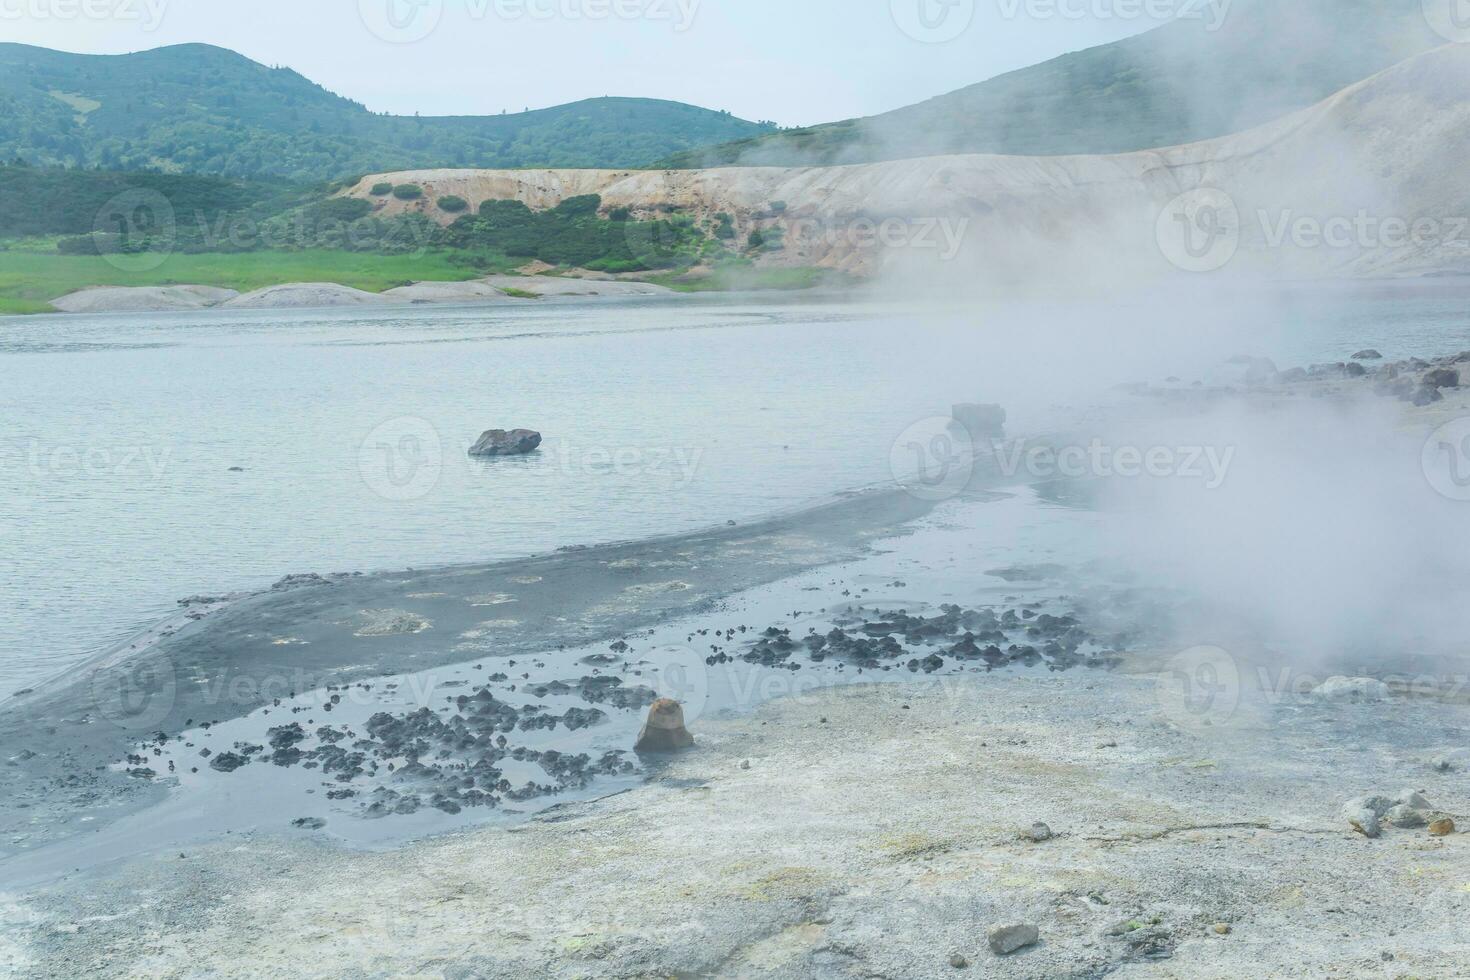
(1368, 355)
(1442, 378)
(664, 731)
(1005, 940)
(982, 421)
(499, 442)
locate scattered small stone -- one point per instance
(1222, 928)
(1365, 814)
(1039, 833)
(1442, 828)
(958, 962)
(1005, 940)
(1407, 816)
(1351, 688)
(227, 762)
(1411, 798)
(308, 823)
(664, 731)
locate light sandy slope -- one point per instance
(1392, 146)
(139, 299)
(320, 295)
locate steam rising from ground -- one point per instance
(1325, 542)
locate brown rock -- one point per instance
(1442, 828)
(664, 730)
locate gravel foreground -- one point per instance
(871, 830)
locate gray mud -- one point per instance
(222, 660)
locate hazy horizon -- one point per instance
(481, 57)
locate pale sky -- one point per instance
(798, 62)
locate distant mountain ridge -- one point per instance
(1176, 84)
(196, 108)
(1386, 152)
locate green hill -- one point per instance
(1176, 84)
(199, 109)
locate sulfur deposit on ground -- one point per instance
(1389, 148)
(863, 831)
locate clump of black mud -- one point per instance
(478, 748)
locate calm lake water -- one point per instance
(144, 458)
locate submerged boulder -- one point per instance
(664, 731)
(499, 442)
(981, 421)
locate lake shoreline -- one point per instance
(342, 631)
